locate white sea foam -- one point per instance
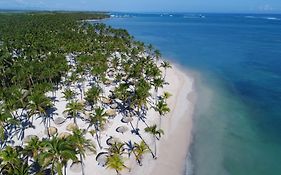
(120, 16)
(250, 17)
(189, 165)
(265, 17)
(194, 16)
(190, 17)
(271, 18)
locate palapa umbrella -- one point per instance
(28, 138)
(86, 115)
(111, 112)
(114, 105)
(112, 89)
(108, 82)
(102, 158)
(129, 115)
(122, 129)
(112, 140)
(127, 119)
(64, 135)
(51, 131)
(59, 121)
(106, 126)
(71, 127)
(65, 115)
(111, 70)
(25, 93)
(110, 73)
(106, 100)
(76, 167)
(89, 151)
(82, 101)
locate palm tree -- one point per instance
(39, 104)
(137, 149)
(140, 98)
(9, 160)
(166, 95)
(162, 108)
(121, 92)
(98, 119)
(68, 94)
(166, 65)
(57, 152)
(80, 144)
(150, 48)
(152, 71)
(23, 168)
(140, 150)
(93, 94)
(81, 79)
(144, 142)
(5, 119)
(73, 109)
(157, 54)
(116, 162)
(33, 147)
(157, 83)
(130, 147)
(116, 148)
(156, 134)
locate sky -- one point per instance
(257, 6)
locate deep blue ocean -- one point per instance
(237, 63)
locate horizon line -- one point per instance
(139, 12)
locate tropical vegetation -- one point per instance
(96, 72)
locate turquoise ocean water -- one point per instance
(237, 57)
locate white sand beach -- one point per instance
(172, 147)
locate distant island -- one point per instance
(80, 97)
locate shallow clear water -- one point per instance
(237, 126)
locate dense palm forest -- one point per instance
(100, 71)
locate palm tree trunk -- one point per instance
(98, 139)
(52, 170)
(138, 112)
(64, 170)
(138, 160)
(132, 126)
(137, 126)
(83, 89)
(47, 128)
(155, 95)
(155, 146)
(82, 164)
(160, 121)
(153, 155)
(24, 108)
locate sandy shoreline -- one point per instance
(174, 145)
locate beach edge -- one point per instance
(173, 148)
